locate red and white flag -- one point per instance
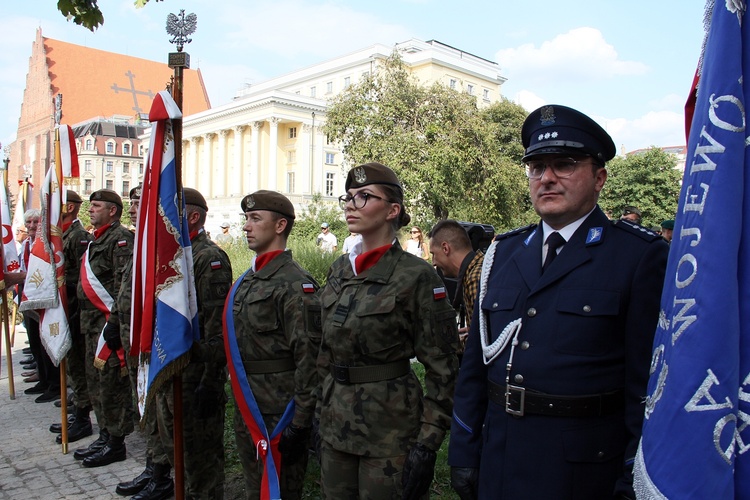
(10, 253)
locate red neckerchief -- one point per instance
(66, 225)
(99, 232)
(366, 260)
(194, 234)
(263, 259)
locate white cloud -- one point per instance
(581, 53)
(655, 128)
(529, 100)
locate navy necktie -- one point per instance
(554, 241)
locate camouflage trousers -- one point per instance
(344, 476)
(76, 364)
(203, 439)
(109, 388)
(292, 475)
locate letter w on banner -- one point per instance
(44, 289)
(696, 434)
(164, 312)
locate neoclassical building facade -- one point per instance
(270, 136)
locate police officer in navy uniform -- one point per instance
(549, 399)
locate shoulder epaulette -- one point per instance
(514, 232)
(637, 230)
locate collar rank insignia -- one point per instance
(360, 175)
(547, 116)
(528, 239)
(594, 236)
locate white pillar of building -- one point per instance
(273, 148)
(304, 185)
(205, 169)
(221, 165)
(191, 179)
(235, 187)
(317, 161)
(254, 157)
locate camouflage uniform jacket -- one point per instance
(276, 318)
(213, 278)
(109, 256)
(75, 242)
(393, 311)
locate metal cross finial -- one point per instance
(181, 27)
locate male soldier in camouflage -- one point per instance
(101, 276)
(273, 334)
(203, 379)
(75, 242)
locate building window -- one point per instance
(126, 167)
(330, 158)
(312, 91)
(453, 83)
(87, 166)
(140, 150)
(110, 184)
(126, 149)
(292, 132)
(291, 156)
(470, 89)
(110, 148)
(140, 168)
(347, 82)
(89, 144)
(486, 95)
(290, 182)
(87, 186)
(110, 166)
(330, 176)
(125, 188)
(329, 87)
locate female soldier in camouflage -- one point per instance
(381, 307)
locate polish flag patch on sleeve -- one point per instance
(216, 265)
(308, 288)
(438, 293)
(122, 243)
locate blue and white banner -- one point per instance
(695, 437)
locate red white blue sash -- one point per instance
(243, 395)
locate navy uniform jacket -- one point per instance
(587, 328)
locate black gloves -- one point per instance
(112, 336)
(465, 480)
(294, 443)
(205, 401)
(419, 469)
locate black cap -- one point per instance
(371, 173)
(106, 195)
(558, 129)
(193, 197)
(268, 200)
(72, 197)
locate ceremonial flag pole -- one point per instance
(696, 432)
(4, 304)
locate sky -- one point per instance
(627, 64)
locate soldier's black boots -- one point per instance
(57, 428)
(136, 485)
(79, 428)
(113, 451)
(159, 487)
(97, 445)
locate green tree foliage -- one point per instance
(453, 159)
(87, 13)
(648, 181)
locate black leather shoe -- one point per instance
(138, 483)
(79, 430)
(26, 350)
(57, 428)
(27, 360)
(39, 388)
(48, 395)
(29, 366)
(160, 487)
(113, 451)
(94, 447)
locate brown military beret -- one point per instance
(135, 193)
(106, 195)
(193, 197)
(268, 200)
(72, 197)
(371, 173)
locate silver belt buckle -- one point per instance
(510, 389)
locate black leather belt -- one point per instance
(373, 373)
(270, 366)
(519, 401)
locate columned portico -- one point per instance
(273, 150)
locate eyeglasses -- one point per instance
(359, 199)
(562, 167)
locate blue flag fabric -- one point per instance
(695, 436)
